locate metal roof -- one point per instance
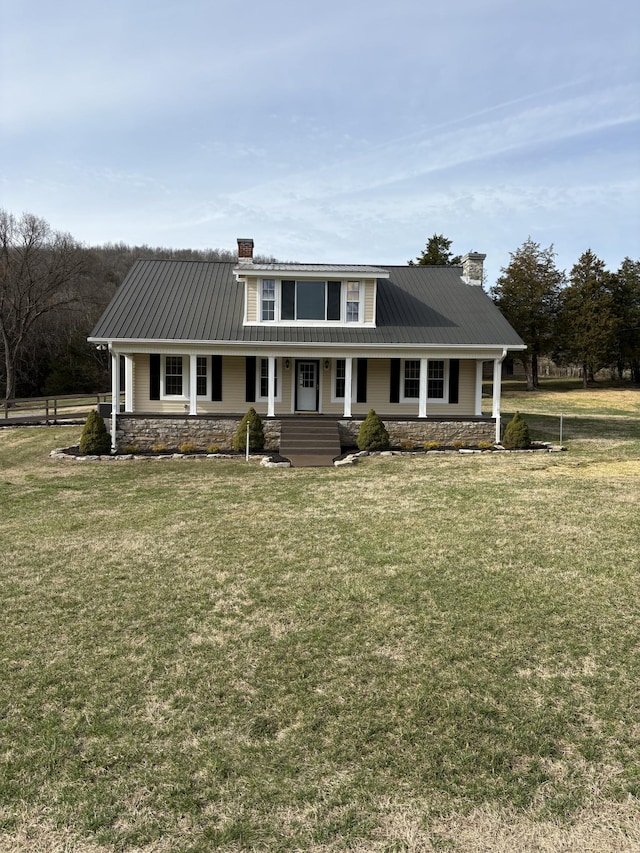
(171, 300)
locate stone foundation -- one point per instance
(414, 434)
(203, 433)
(146, 432)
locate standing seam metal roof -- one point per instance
(201, 300)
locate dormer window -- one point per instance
(310, 300)
(353, 301)
(268, 299)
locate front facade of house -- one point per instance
(206, 340)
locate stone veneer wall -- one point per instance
(145, 431)
(416, 433)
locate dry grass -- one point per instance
(426, 653)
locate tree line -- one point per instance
(53, 290)
(590, 317)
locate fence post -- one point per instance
(561, 428)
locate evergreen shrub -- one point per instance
(373, 434)
(256, 433)
(95, 439)
(516, 435)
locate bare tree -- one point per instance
(39, 273)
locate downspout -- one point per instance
(497, 390)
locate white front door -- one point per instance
(307, 386)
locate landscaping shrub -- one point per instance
(95, 439)
(373, 434)
(516, 435)
(256, 433)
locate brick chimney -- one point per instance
(472, 268)
(245, 250)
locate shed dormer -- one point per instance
(308, 294)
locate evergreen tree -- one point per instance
(437, 253)
(94, 438)
(256, 432)
(516, 435)
(527, 293)
(626, 308)
(373, 433)
(588, 320)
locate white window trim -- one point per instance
(435, 401)
(185, 378)
(207, 395)
(354, 380)
(345, 292)
(276, 301)
(342, 322)
(279, 376)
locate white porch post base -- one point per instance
(348, 373)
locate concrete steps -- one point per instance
(309, 441)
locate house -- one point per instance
(200, 342)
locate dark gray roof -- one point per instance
(169, 300)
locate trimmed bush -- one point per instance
(256, 433)
(373, 434)
(516, 435)
(95, 439)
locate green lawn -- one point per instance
(419, 653)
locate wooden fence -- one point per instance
(50, 410)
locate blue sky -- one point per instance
(330, 132)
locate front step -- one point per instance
(308, 442)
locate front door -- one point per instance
(307, 386)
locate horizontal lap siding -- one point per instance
(252, 300)
(233, 391)
(369, 301)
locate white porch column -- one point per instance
(271, 400)
(497, 388)
(128, 383)
(115, 396)
(424, 386)
(348, 373)
(193, 384)
(479, 367)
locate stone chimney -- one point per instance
(245, 250)
(472, 268)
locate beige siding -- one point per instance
(233, 391)
(369, 301)
(252, 300)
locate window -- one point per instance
(268, 299)
(202, 389)
(353, 301)
(341, 369)
(309, 300)
(412, 378)
(435, 380)
(173, 376)
(263, 379)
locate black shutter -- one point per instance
(287, 310)
(216, 377)
(250, 377)
(333, 300)
(361, 381)
(154, 376)
(454, 379)
(394, 380)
